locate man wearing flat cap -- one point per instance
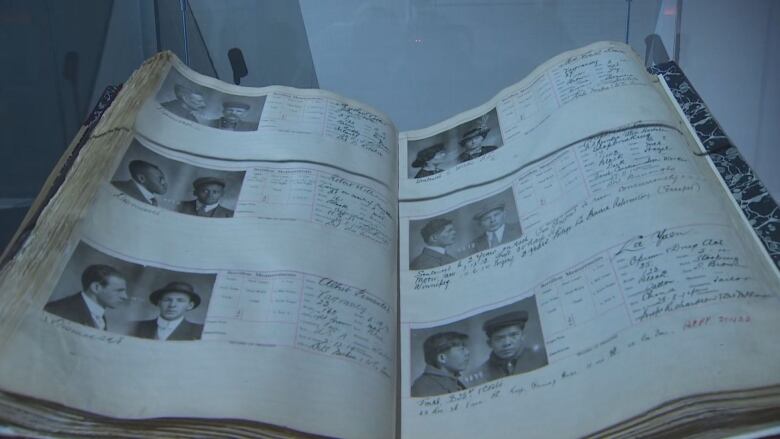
(430, 160)
(472, 144)
(446, 357)
(208, 191)
(173, 301)
(438, 234)
(188, 103)
(510, 355)
(233, 117)
(491, 218)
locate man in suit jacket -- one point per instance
(208, 191)
(188, 103)
(102, 287)
(438, 234)
(174, 300)
(492, 220)
(147, 182)
(233, 118)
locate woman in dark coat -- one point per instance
(429, 159)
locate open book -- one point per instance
(228, 261)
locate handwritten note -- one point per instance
(328, 118)
(590, 72)
(329, 199)
(505, 391)
(82, 331)
(675, 269)
(579, 186)
(304, 311)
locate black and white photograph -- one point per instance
(463, 143)
(502, 342)
(155, 180)
(208, 107)
(471, 228)
(110, 294)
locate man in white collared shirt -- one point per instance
(147, 182)
(102, 287)
(174, 300)
(208, 191)
(492, 220)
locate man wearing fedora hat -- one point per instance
(233, 117)
(472, 144)
(430, 160)
(510, 354)
(174, 300)
(208, 191)
(492, 220)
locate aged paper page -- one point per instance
(246, 241)
(587, 281)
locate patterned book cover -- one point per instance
(751, 195)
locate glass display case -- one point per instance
(419, 61)
(616, 196)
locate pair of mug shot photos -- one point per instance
(121, 297)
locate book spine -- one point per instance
(31, 219)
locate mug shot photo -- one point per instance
(207, 191)
(468, 229)
(211, 108)
(173, 301)
(169, 184)
(109, 294)
(463, 143)
(503, 342)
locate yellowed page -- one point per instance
(622, 264)
(289, 302)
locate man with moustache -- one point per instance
(188, 103)
(232, 118)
